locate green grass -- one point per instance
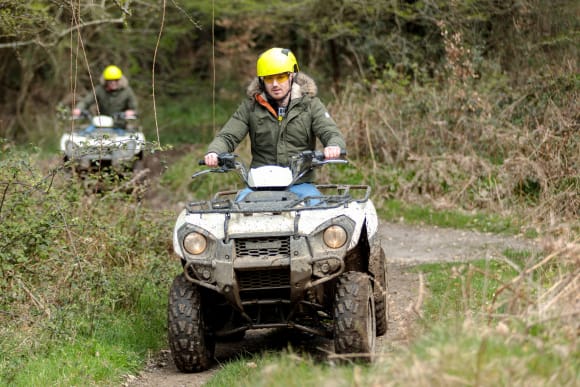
(286, 368)
(457, 289)
(476, 354)
(396, 210)
(116, 344)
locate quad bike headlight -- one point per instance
(195, 243)
(334, 237)
(70, 148)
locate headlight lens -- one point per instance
(194, 243)
(334, 237)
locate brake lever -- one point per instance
(222, 169)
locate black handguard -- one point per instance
(310, 155)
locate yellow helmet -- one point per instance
(112, 73)
(276, 61)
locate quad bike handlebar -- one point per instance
(85, 114)
(300, 164)
(228, 159)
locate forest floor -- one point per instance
(405, 246)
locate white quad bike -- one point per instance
(274, 260)
(102, 143)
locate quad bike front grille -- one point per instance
(271, 279)
(263, 247)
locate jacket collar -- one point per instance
(123, 82)
(303, 85)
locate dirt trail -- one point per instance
(405, 246)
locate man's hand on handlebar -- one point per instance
(211, 159)
(331, 152)
(130, 114)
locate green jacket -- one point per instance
(274, 140)
(110, 102)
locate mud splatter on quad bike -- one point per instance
(110, 144)
(273, 259)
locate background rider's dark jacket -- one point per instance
(110, 102)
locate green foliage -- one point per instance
(188, 120)
(79, 272)
(473, 142)
(288, 368)
(395, 210)
(462, 289)
(477, 354)
(26, 232)
(116, 344)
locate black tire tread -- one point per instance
(350, 313)
(381, 301)
(191, 347)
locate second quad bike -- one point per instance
(273, 259)
(103, 143)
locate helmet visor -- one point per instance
(280, 78)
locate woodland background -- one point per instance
(458, 113)
(476, 102)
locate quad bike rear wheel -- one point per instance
(354, 315)
(192, 344)
(380, 296)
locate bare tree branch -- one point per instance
(61, 34)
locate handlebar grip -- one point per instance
(200, 162)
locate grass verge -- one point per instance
(483, 323)
(73, 350)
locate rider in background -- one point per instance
(113, 96)
(283, 117)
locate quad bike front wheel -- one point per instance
(191, 342)
(354, 315)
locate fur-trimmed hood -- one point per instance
(123, 82)
(303, 85)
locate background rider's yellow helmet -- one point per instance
(112, 73)
(276, 61)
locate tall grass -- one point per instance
(507, 322)
(471, 138)
(78, 273)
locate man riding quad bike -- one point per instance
(110, 139)
(274, 259)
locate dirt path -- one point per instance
(405, 247)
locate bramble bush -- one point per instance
(472, 138)
(67, 258)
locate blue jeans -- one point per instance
(302, 190)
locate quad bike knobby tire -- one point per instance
(380, 295)
(191, 343)
(354, 315)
